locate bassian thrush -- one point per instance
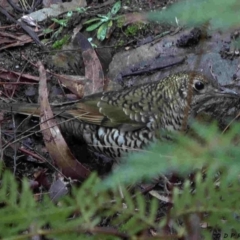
(116, 122)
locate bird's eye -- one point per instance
(199, 85)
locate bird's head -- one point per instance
(187, 93)
(198, 91)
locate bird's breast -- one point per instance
(114, 142)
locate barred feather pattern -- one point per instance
(112, 142)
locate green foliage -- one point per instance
(220, 14)
(133, 29)
(62, 23)
(21, 212)
(103, 22)
(82, 9)
(120, 43)
(182, 155)
(213, 199)
(59, 43)
(216, 201)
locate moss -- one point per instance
(133, 29)
(120, 43)
(120, 22)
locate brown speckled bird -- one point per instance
(117, 122)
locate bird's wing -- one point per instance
(113, 109)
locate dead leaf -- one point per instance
(14, 76)
(53, 138)
(11, 40)
(76, 84)
(58, 189)
(93, 68)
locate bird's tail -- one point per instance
(24, 108)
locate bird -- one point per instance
(115, 123)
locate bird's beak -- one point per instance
(223, 91)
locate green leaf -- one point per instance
(93, 27)
(62, 22)
(116, 7)
(110, 23)
(69, 14)
(81, 9)
(102, 31)
(47, 30)
(103, 18)
(91, 20)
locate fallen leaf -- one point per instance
(76, 84)
(93, 68)
(54, 141)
